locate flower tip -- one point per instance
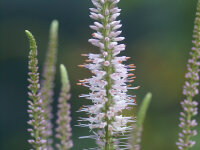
(129, 75)
(81, 81)
(131, 65)
(88, 61)
(81, 66)
(136, 88)
(54, 23)
(29, 34)
(84, 55)
(132, 70)
(64, 74)
(131, 81)
(26, 31)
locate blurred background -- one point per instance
(158, 38)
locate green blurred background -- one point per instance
(158, 37)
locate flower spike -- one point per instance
(108, 85)
(138, 127)
(35, 103)
(190, 90)
(63, 131)
(47, 84)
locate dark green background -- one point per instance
(158, 37)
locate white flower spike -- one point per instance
(108, 85)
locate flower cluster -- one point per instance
(35, 103)
(47, 84)
(63, 130)
(190, 89)
(108, 85)
(40, 110)
(136, 137)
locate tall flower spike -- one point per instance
(190, 89)
(63, 130)
(47, 84)
(108, 85)
(138, 127)
(35, 103)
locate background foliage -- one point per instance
(158, 37)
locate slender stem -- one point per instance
(109, 70)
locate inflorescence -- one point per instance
(190, 90)
(40, 110)
(47, 84)
(108, 85)
(63, 130)
(35, 103)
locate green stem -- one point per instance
(109, 70)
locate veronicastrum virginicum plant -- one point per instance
(63, 130)
(47, 83)
(108, 85)
(109, 126)
(138, 127)
(40, 110)
(35, 103)
(190, 90)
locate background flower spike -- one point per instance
(47, 83)
(63, 130)
(190, 90)
(35, 109)
(138, 127)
